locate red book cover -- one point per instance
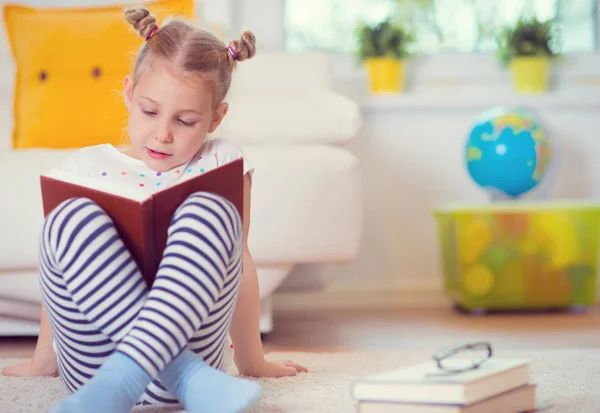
(142, 220)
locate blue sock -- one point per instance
(115, 388)
(201, 388)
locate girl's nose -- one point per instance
(165, 138)
(164, 135)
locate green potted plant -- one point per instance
(383, 48)
(527, 48)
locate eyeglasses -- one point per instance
(477, 354)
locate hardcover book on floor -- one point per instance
(426, 383)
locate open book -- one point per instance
(142, 219)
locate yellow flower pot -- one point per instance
(386, 75)
(530, 73)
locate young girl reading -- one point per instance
(117, 342)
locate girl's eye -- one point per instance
(184, 123)
(148, 113)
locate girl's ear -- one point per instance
(128, 91)
(218, 116)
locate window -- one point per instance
(440, 26)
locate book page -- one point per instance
(99, 185)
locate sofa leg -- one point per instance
(266, 315)
(270, 278)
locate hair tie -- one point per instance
(152, 33)
(233, 53)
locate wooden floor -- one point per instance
(430, 329)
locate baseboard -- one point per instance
(415, 295)
(418, 294)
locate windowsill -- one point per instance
(472, 82)
(481, 98)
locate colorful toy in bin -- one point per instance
(513, 255)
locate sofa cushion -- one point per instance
(70, 66)
(291, 116)
(306, 204)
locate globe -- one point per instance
(507, 151)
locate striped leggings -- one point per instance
(97, 301)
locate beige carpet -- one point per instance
(569, 379)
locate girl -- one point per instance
(118, 343)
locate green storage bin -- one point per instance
(515, 256)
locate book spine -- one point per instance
(152, 257)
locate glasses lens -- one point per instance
(465, 359)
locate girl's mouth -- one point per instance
(156, 154)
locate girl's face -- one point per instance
(170, 115)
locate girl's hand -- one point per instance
(282, 368)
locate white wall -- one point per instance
(413, 162)
(411, 149)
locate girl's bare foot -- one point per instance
(43, 362)
(33, 368)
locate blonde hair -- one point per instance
(189, 49)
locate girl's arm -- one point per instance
(43, 362)
(245, 324)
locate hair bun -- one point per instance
(141, 19)
(245, 48)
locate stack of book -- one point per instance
(497, 386)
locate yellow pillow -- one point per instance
(70, 64)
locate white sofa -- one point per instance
(307, 203)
